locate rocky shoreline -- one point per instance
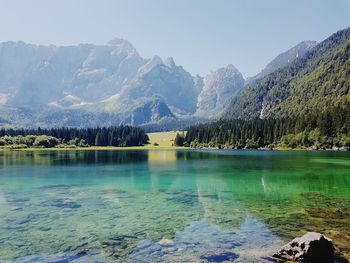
(272, 148)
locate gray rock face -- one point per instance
(218, 89)
(284, 58)
(109, 84)
(32, 75)
(168, 81)
(311, 248)
(149, 112)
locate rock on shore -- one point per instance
(311, 247)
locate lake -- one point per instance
(168, 206)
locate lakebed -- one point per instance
(168, 205)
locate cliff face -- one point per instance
(219, 87)
(89, 80)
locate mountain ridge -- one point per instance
(111, 84)
(110, 80)
(308, 84)
(283, 59)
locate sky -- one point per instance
(201, 35)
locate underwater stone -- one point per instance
(224, 257)
(55, 187)
(62, 203)
(312, 248)
(166, 242)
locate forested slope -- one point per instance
(308, 85)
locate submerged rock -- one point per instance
(62, 203)
(166, 242)
(224, 257)
(311, 247)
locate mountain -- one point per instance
(218, 88)
(283, 59)
(149, 112)
(103, 85)
(309, 84)
(32, 75)
(168, 81)
(221, 86)
(90, 85)
(304, 104)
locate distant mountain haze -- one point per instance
(92, 85)
(103, 85)
(90, 80)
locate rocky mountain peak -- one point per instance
(150, 64)
(218, 88)
(230, 67)
(229, 70)
(121, 44)
(169, 62)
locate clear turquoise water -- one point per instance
(168, 206)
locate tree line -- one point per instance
(113, 136)
(330, 128)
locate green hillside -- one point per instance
(308, 85)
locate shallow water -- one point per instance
(168, 206)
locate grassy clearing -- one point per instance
(163, 139)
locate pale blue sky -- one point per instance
(200, 34)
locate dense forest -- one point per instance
(328, 129)
(305, 104)
(70, 137)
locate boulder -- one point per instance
(311, 248)
(344, 148)
(166, 242)
(312, 148)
